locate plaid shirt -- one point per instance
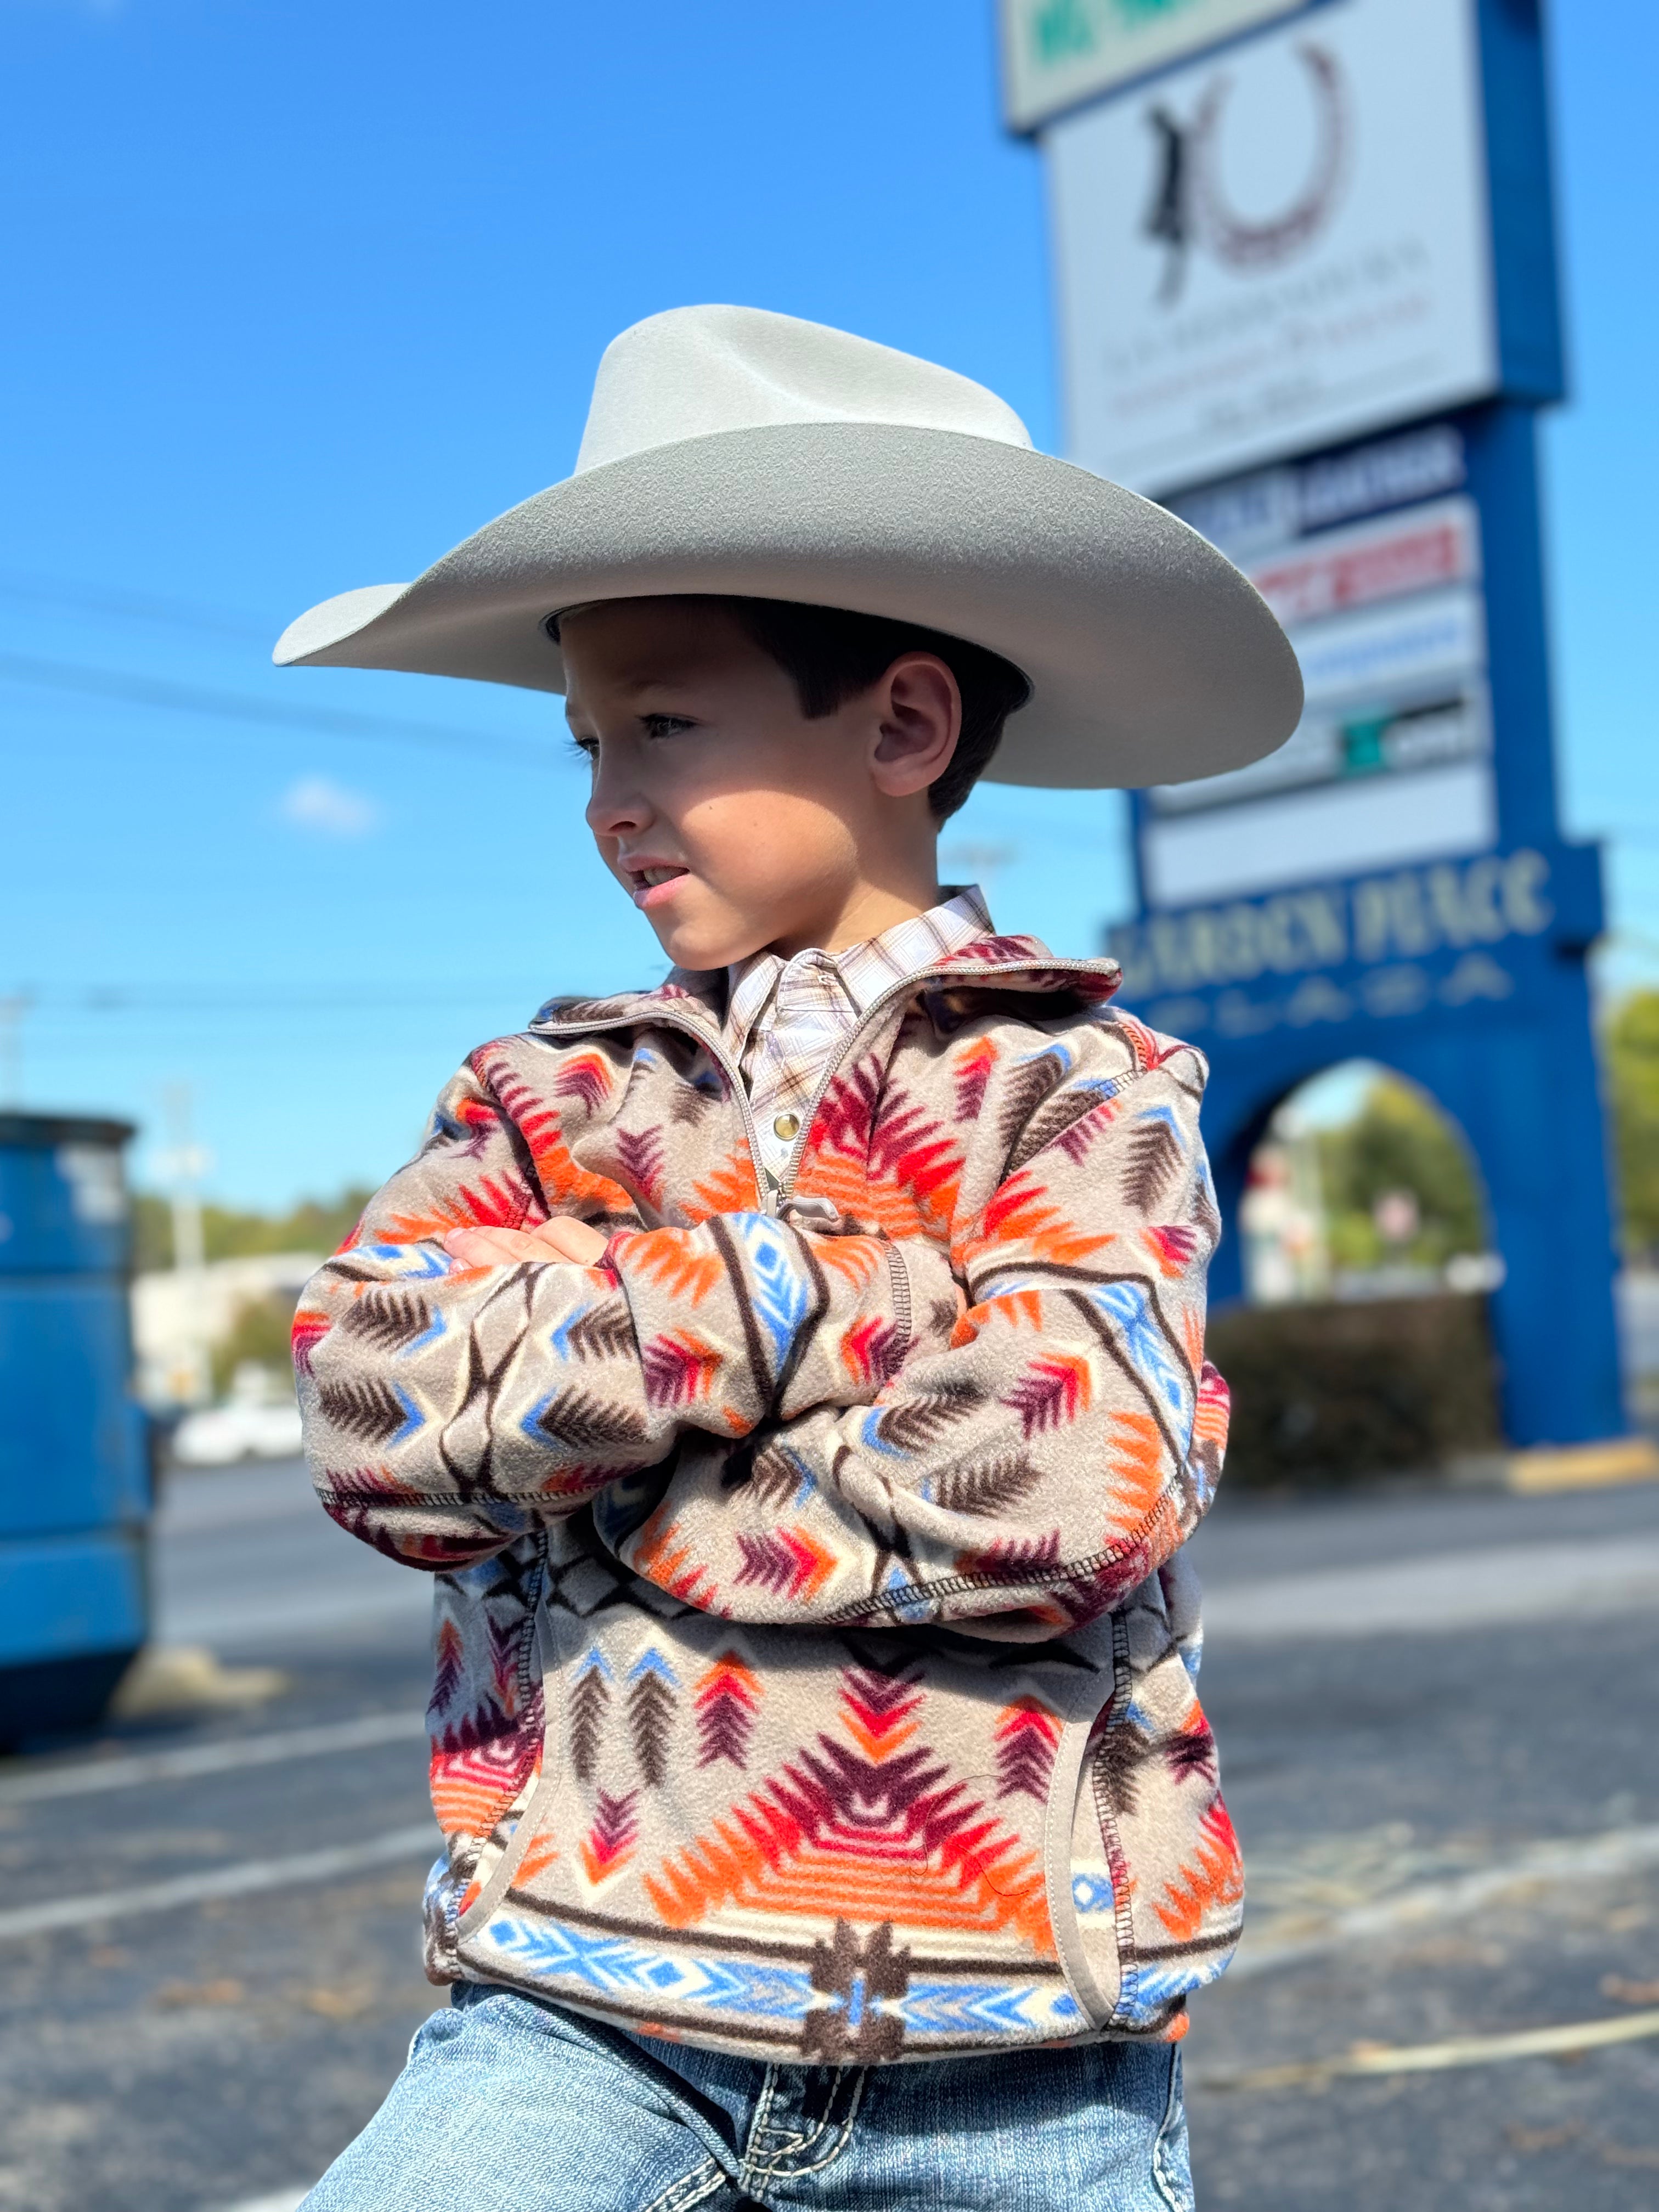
(784, 1019)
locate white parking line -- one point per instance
(1437, 2057)
(88, 1776)
(1547, 1867)
(351, 1605)
(1447, 1594)
(93, 1908)
(285, 2200)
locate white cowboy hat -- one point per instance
(729, 450)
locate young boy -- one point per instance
(793, 1376)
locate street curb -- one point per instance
(1582, 1466)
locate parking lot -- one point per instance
(1434, 1720)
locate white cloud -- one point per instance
(317, 803)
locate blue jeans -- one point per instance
(509, 2105)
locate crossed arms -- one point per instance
(850, 1443)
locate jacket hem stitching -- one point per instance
(1044, 1579)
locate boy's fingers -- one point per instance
(550, 1240)
(573, 1240)
(482, 1248)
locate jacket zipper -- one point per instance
(980, 973)
(717, 1051)
(855, 1038)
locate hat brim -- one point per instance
(1151, 658)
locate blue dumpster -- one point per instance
(75, 1481)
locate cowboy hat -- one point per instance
(729, 450)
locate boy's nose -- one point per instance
(614, 812)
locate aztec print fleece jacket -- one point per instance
(814, 1661)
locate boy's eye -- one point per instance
(585, 748)
(665, 725)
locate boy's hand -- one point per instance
(558, 1239)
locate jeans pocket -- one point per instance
(1172, 2171)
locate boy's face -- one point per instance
(731, 821)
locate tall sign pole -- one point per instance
(1308, 299)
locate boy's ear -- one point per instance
(919, 709)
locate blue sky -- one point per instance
(299, 296)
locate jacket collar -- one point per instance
(697, 997)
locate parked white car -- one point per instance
(257, 1422)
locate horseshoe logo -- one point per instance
(1241, 245)
(1190, 208)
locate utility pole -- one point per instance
(183, 1166)
(13, 1007)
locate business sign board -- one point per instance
(1057, 52)
(1372, 561)
(1449, 936)
(1307, 298)
(1277, 247)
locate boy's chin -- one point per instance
(711, 934)
(691, 947)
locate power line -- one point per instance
(94, 1014)
(215, 997)
(135, 690)
(87, 1022)
(135, 606)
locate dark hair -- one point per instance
(831, 655)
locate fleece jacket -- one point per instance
(815, 1651)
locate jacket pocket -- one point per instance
(1086, 1876)
(514, 1855)
(1157, 1878)
(485, 1720)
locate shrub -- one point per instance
(1344, 1392)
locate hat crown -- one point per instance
(695, 372)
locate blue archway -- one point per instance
(1340, 1099)
(1531, 1113)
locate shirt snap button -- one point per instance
(787, 1126)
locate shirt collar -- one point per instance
(865, 971)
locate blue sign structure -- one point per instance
(1393, 885)
(1468, 977)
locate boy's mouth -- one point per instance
(653, 881)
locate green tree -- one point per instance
(1399, 1140)
(260, 1334)
(1633, 1071)
(314, 1225)
(152, 1232)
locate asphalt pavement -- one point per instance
(1436, 1719)
(1451, 1838)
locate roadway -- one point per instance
(1435, 1715)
